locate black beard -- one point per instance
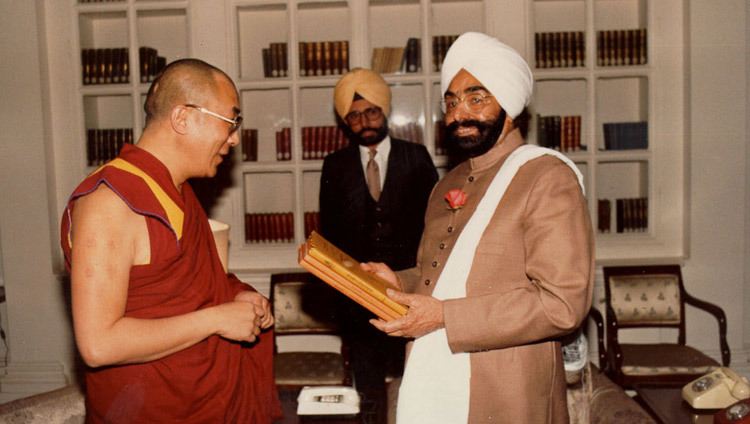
(475, 145)
(380, 134)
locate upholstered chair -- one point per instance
(655, 297)
(304, 305)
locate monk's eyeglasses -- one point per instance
(235, 122)
(475, 102)
(371, 113)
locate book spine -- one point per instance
(302, 54)
(279, 146)
(344, 56)
(336, 58)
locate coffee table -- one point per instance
(665, 402)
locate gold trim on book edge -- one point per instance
(364, 288)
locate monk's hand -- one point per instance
(383, 271)
(239, 320)
(259, 300)
(425, 315)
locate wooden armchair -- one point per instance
(654, 297)
(304, 305)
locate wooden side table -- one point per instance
(666, 404)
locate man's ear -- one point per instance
(178, 119)
(508, 126)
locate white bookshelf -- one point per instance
(653, 92)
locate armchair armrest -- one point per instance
(614, 351)
(718, 313)
(595, 315)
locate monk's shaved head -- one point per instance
(185, 81)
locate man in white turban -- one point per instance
(505, 267)
(373, 195)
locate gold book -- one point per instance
(343, 273)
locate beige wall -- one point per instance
(37, 328)
(747, 178)
(717, 75)
(719, 228)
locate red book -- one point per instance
(305, 143)
(277, 230)
(248, 228)
(287, 136)
(317, 142)
(260, 227)
(279, 145)
(290, 227)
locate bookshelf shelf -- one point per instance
(596, 94)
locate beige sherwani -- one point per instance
(531, 281)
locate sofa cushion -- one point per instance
(61, 406)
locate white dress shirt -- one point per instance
(383, 149)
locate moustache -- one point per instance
(466, 124)
(362, 131)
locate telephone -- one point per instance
(328, 400)
(717, 389)
(737, 413)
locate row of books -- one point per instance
(312, 223)
(275, 63)
(284, 144)
(275, 227)
(621, 47)
(319, 141)
(105, 66)
(562, 133)
(323, 58)
(559, 49)
(112, 65)
(104, 144)
(631, 215)
(440, 46)
(151, 63)
(389, 60)
(249, 143)
(625, 135)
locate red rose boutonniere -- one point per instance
(456, 199)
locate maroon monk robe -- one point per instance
(216, 380)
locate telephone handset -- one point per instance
(328, 400)
(717, 389)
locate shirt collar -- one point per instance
(383, 148)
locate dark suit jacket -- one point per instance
(349, 217)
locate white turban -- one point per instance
(371, 86)
(497, 66)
